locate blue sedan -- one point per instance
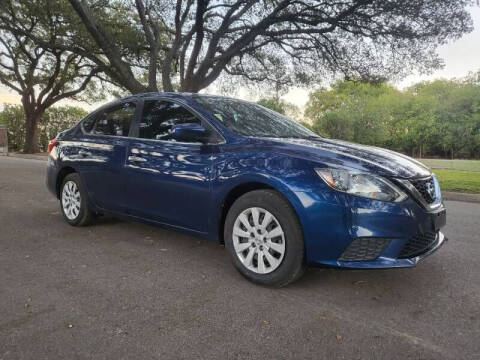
(276, 194)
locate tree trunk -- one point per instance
(31, 135)
(189, 85)
(166, 81)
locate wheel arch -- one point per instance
(60, 176)
(247, 186)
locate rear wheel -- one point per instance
(73, 201)
(264, 238)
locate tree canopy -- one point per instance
(439, 118)
(54, 120)
(52, 49)
(147, 45)
(42, 76)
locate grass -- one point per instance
(458, 180)
(467, 165)
(456, 175)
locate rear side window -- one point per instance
(115, 121)
(159, 116)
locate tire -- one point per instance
(279, 268)
(73, 201)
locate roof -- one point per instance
(170, 94)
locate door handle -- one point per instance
(136, 159)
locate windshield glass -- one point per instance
(251, 119)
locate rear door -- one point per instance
(101, 152)
(169, 181)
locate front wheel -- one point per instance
(73, 201)
(264, 238)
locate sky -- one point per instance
(460, 57)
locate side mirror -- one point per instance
(189, 132)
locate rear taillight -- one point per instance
(52, 144)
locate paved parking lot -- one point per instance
(121, 290)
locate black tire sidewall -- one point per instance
(84, 214)
(293, 262)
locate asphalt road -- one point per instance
(121, 290)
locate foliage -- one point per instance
(54, 120)
(145, 45)
(281, 106)
(274, 104)
(53, 49)
(440, 118)
(13, 117)
(58, 119)
(41, 75)
(26, 65)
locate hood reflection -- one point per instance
(372, 158)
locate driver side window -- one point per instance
(159, 116)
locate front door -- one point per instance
(168, 181)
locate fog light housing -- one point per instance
(364, 249)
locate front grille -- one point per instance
(426, 188)
(418, 244)
(364, 249)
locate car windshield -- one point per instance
(250, 119)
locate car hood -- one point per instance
(343, 154)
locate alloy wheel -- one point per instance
(258, 240)
(71, 200)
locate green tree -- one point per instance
(353, 110)
(13, 117)
(58, 119)
(457, 115)
(416, 122)
(274, 104)
(281, 106)
(54, 120)
(41, 76)
(187, 45)
(439, 118)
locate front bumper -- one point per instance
(383, 262)
(332, 221)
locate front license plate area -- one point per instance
(439, 220)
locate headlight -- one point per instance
(365, 185)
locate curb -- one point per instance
(457, 196)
